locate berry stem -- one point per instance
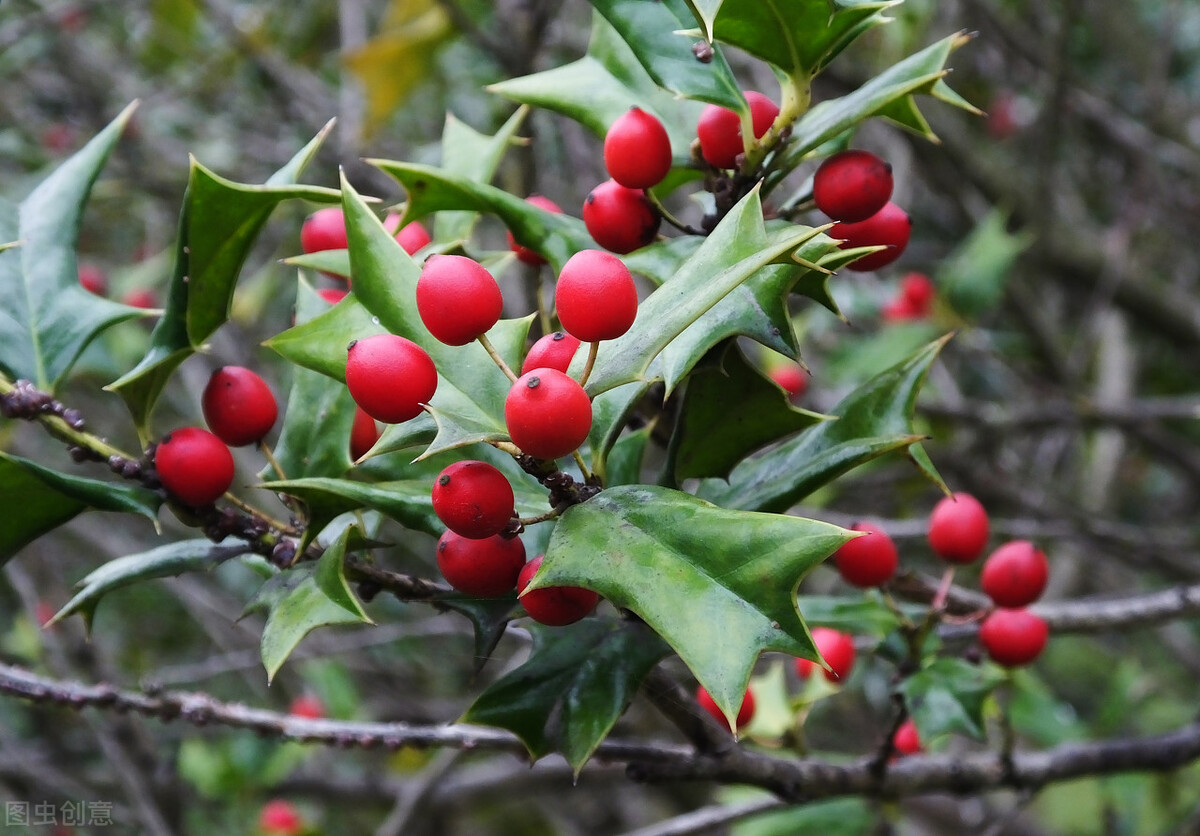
(593, 349)
(943, 590)
(496, 358)
(271, 460)
(670, 218)
(583, 468)
(262, 515)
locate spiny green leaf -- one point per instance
(949, 696)
(719, 586)
(574, 687)
(872, 420)
(46, 317)
(973, 277)
(861, 616)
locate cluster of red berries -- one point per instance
(854, 188)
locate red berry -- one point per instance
(548, 414)
(194, 465)
(595, 297)
(140, 298)
(891, 226)
(637, 150)
(620, 219)
(92, 279)
(363, 434)
(332, 295)
(390, 377)
(552, 351)
(918, 289)
(457, 298)
(412, 236)
(486, 568)
(900, 310)
(238, 406)
(1015, 574)
(720, 129)
(792, 379)
(906, 740)
(836, 648)
(958, 528)
(308, 706)
(280, 818)
(1013, 637)
(852, 186)
(745, 710)
(554, 606)
(324, 229)
(532, 257)
(867, 561)
(473, 499)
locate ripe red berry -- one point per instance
(745, 710)
(906, 740)
(332, 295)
(900, 310)
(552, 351)
(554, 606)
(792, 379)
(852, 185)
(486, 568)
(140, 298)
(958, 528)
(595, 297)
(363, 434)
(324, 229)
(528, 256)
(412, 236)
(238, 406)
(836, 648)
(457, 298)
(548, 414)
(473, 499)
(918, 289)
(390, 377)
(620, 219)
(637, 150)
(720, 129)
(867, 561)
(194, 465)
(92, 279)
(1015, 574)
(1013, 637)
(280, 818)
(308, 706)
(891, 226)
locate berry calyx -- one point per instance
(890, 226)
(1015, 574)
(836, 648)
(1013, 637)
(745, 710)
(791, 378)
(92, 279)
(958, 528)
(238, 406)
(457, 298)
(412, 236)
(194, 465)
(720, 129)
(552, 351)
(867, 561)
(280, 818)
(364, 432)
(619, 219)
(554, 606)
(852, 185)
(595, 297)
(390, 377)
(548, 414)
(324, 229)
(637, 150)
(486, 568)
(525, 254)
(906, 740)
(473, 499)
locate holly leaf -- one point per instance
(46, 317)
(489, 617)
(872, 420)
(709, 437)
(973, 277)
(218, 226)
(949, 696)
(167, 561)
(858, 615)
(48, 499)
(574, 687)
(719, 586)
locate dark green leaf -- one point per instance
(864, 616)
(489, 617)
(574, 687)
(719, 586)
(949, 696)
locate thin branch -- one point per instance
(708, 819)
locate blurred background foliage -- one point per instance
(1060, 228)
